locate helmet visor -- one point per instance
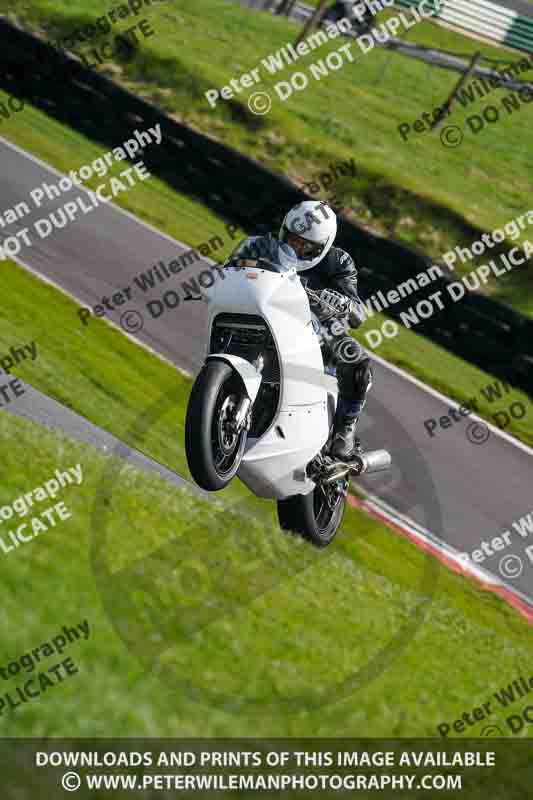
(304, 249)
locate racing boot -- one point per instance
(345, 445)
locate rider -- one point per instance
(309, 228)
(346, 9)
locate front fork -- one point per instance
(242, 417)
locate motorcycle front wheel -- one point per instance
(316, 516)
(214, 451)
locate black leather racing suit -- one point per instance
(344, 9)
(335, 271)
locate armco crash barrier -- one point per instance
(242, 191)
(487, 19)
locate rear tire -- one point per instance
(311, 516)
(213, 453)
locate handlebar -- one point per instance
(313, 295)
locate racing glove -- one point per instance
(330, 304)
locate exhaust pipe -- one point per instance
(373, 461)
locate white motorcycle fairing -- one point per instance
(274, 464)
(251, 378)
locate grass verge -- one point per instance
(248, 615)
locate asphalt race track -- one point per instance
(46, 411)
(479, 489)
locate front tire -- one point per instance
(213, 451)
(312, 516)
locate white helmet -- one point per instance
(314, 223)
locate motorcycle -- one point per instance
(262, 406)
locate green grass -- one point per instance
(208, 600)
(426, 195)
(99, 373)
(95, 371)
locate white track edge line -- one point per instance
(46, 279)
(375, 503)
(449, 401)
(109, 204)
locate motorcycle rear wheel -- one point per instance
(312, 516)
(214, 452)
